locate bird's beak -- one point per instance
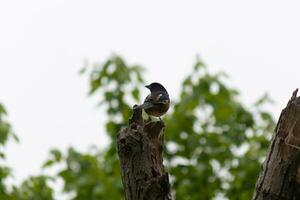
(147, 86)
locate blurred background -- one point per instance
(71, 70)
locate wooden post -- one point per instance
(140, 148)
(280, 175)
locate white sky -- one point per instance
(43, 45)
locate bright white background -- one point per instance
(43, 45)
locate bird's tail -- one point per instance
(144, 106)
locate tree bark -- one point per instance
(140, 148)
(280, 176)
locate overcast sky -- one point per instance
(43, 45)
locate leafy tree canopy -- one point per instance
(214, 143)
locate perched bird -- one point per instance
(157, 102)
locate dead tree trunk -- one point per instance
(140, 148)
(280, 176)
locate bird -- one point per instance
(157, 103)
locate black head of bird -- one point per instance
(156, 87)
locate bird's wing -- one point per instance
(154, 99)
(148, 103)
(145, 105)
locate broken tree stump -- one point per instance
(280, 175)
(140, 150)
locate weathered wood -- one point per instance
(280, 175)
(140, 148)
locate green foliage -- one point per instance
(97, 175)
(5, 130)
(88, 176)
(214, 143)
(5, 134)
(34, 188)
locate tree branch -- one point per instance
(280, 176)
